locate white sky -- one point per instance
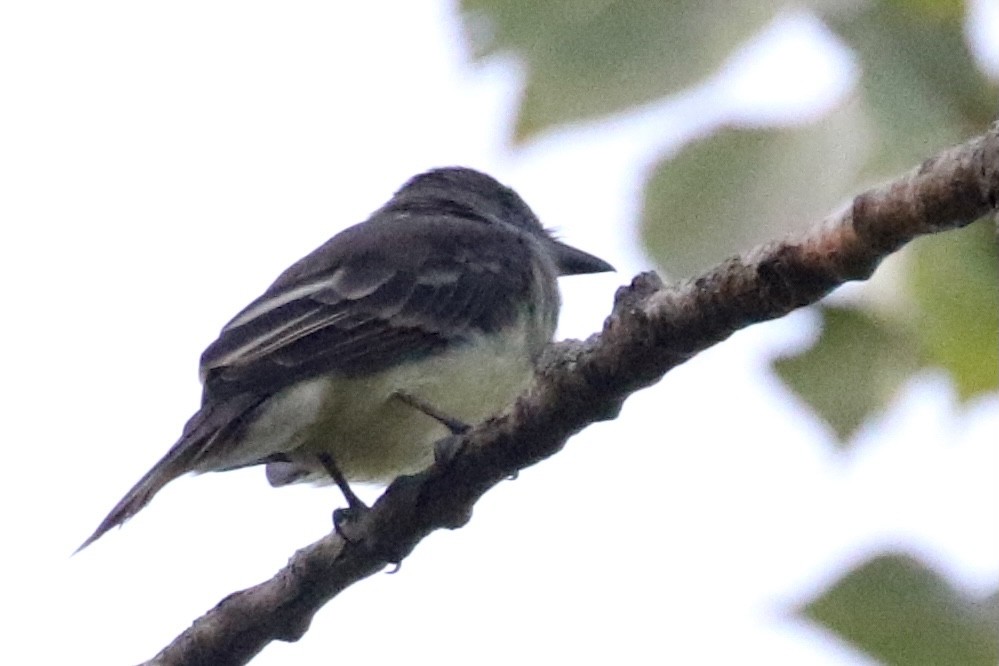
(161, 163)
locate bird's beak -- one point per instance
(571, 261)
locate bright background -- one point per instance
(161, 163)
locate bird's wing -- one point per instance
(372, 297)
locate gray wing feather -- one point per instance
(361, 312)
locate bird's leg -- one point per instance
(355, 507)
(456, 426)
(447, 448)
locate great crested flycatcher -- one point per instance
(437, 307)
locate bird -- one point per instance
(430, 314)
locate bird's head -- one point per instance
(475, 195)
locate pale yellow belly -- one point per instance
(372, 435)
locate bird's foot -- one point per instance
(345, 518)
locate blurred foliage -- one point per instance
(714, 199)
(901, 612)
(919, 91)
(955, 285)
(587, 58)
(919, 82)
(860, 360)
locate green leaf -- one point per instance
(955, 282)
(899, 611)
(919, 81)
(588, 58)
(853, 370)
(741, 187)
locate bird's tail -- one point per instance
(169, 467)
(204, 441)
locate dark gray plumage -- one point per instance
(447, 293)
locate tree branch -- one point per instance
(652, 329)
